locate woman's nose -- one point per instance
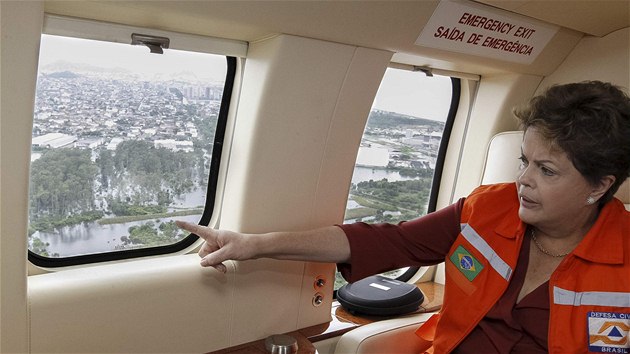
(523, 176)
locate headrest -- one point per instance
(502, 163)
(624, 193)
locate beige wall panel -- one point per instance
(290, 166)
(21, 30)
(491, 113)
(162, 305)
(296, 138)
(290, 89)
(594, 58)
(351, 111)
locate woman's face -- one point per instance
(552, 193)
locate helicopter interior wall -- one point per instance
(604, 58)
(301, 111)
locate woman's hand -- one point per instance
(219, 245)
(326, 244)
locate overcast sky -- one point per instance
(136, 58)
(401, 91)
(414, 94)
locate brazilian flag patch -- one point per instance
(466, 263)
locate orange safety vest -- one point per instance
(589, 292)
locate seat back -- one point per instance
(624, 193)
(502, 163)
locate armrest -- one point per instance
(389, 336)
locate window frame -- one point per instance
(233, 50)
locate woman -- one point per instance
(540, 265)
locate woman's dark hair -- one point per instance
(590, 122)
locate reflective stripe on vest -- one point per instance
(484, 248)
(596, 298)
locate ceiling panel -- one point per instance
(594, 17)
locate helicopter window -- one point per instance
(400, 151)
(124, 142)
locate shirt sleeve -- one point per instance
(377, 248)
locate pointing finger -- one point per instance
(193, 228)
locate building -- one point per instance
(54, 140)
(114, 143)
(373, 156)
(89, 143)
(175, 145)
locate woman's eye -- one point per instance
(523, 162)
(546, 171)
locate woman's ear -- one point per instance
(600, 188)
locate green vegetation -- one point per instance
(49, 223)
(151, 235)
(155, 173)
(126, 219)
(359, 213)
(368, 201)
(138, 179)
(384, 201)
(62, 184)
(135, 182)
(391, 120)
(39, 247)
(123, 209)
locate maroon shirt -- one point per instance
(507, 328)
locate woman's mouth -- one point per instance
(526, 202)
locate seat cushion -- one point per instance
(390, 336)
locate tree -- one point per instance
(148, 235)
(150, 175)
(105, 163)
(62, 183)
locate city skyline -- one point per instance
(117, 57)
